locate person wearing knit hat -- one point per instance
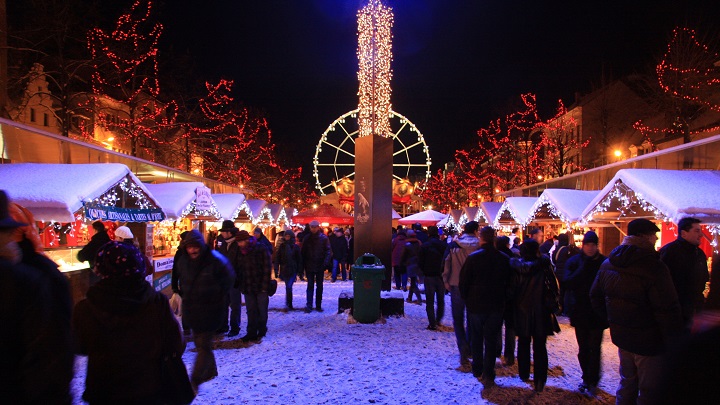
(122, 233)
(124, 327)
(580, 273)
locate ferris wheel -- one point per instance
(335, 152)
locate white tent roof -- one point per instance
(474, 214)
(490, 210)
(255, 207)
(564, 205)
(176, 198)
(395, 215)
(664, 194)
(277, 212)
(54, 192)
(515, 210)
(429, 217)
(229, 204)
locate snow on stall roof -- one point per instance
(395, 215)
(228, 204)
(518, 208)
(54, 192)
(675, 193)
(256, 207)
(426, 218)
(568, 202)
(174, 197)
(276, 211)
(472, 214)
(490, 210)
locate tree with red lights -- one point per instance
(125, 81)
(561, 144)
(689, 81)
(445, 190)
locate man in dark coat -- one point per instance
(204, 279)
(35, 310)
(421, 235)
(688, 268)
(580, 272)
(288, 258)
(338, 244)
(484, 286)
(316, 255)
(634, 292)
(254, 263)
(431, 265)
(88, 253)
(225, 244)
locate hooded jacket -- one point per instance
(459, 250)
(411, 256)
(316, 252)
(485, 280)
(204, 283)
(634, 292)
(688, 268)
(124, 327)
(534, 280)
(580, 272)
(431, 257)
(398, 245)
(288, 256)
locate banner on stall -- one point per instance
(203, 199)
(106, 213)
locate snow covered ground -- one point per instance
(320, 358)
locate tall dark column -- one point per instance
(373, 197)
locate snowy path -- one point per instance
(319, 358)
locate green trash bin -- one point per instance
(368, 274)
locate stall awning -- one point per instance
(55, 192)
(490, 210)
(229, 205)
(514, 210)
(561, 205)
(474, 214)
(667, 195)
(424, 218)
(180, 200)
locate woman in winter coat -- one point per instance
(124, 327)
(411, 261)
(399, 271)
(536, 301)
(289, 258)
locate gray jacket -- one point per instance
(460, 248)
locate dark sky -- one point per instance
(457, 63)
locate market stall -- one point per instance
(489, 210)
(514, 212)
(65, 199)
(424, 218)
(229, 205)
(474, 214)
(187, 205)
(560, 211)
(664, 196)
(326, 214)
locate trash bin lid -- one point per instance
(368, 260)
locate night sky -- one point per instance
(457, 63)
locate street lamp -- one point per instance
(618, 153)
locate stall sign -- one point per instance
(107, 213)
(203, 200)
(164, 264)
(162, 282)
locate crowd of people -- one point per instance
(648, 299)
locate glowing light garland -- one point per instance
(626, 197)
(191, 208)
(374, 53)
(543, 201)
(111, 197)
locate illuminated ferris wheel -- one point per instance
(335, 152)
